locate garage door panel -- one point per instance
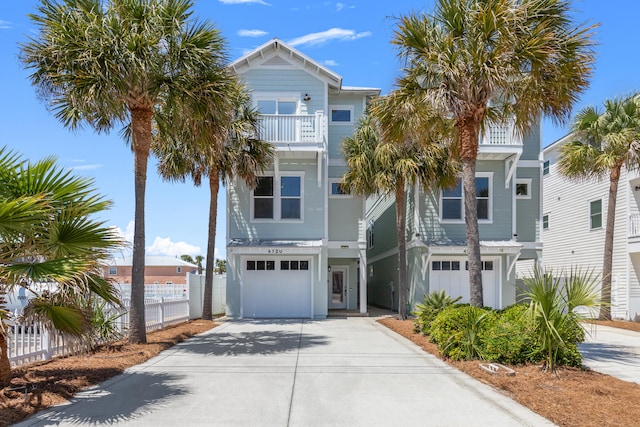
(276, 293)
(456, 282)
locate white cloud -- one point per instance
(339, 7)
(325, 36)
(331, 63)
(244, 2)
(5, 25)
(165, 246)
(86, 167)
(127, 234)
(252, 33)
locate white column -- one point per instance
(363, 280)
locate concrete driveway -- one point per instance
(334, 372)
(612, 351)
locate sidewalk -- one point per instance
(333, 372)
(612, 351)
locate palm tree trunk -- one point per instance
(141, 142)
(607, 259)
(214, 186)
(402, 249)
(469, 152)
(5, 364)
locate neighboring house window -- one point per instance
(523, 188)
(545, 222)
(337, 189)
(452, 201)
(178, 269)
(595, 212)
(283, 203)
(545, 167)
(370, 235)
(341, 114)
(113, 271)
(169, 283)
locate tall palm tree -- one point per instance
(198, 259)
(606, 141)
(107, 63)
(227, 146)
(397, 144)
(47, 235)
(485, 62)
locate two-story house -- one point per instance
(508, 178)
(574, 219)
(157, 270)
(295, 242)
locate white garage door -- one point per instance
(276, 288)
(452, 276)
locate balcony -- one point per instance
(294, 132)
(499, 142)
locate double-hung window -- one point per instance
(452, 200)
(278, 198)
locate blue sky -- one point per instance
(351, 37)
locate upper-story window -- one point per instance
(341, 114)
(545, 167)
(178, 269)
(278, 198)
(338, 189)
(113, 270)
(452, 200)
(370, 235)
(545, 221)
(523, 188)
(595, 214)
(277, 106)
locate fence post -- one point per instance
(162, 313)
(46, 342)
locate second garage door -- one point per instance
(452, 276)
(276, 288)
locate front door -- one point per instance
(338, 290)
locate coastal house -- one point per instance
(296, 242)
(157, 270)
(508, 181)
(574, 219)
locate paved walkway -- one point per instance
(612, 351)
(334, 372)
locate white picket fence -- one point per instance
(30, 343)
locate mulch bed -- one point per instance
(569, 397)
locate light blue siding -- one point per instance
(528, 218)
(338, 132)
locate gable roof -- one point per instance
(276, 53)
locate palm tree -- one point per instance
(221, 266)
(484, 62)
(198, 259)
(187, 258)
(226, 146)
(395, 145)
(47, 235)
(606, 140)
(112, 63)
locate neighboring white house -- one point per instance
(574, 219)
(508, 177)
(295, 243)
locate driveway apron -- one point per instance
(333, 372)
(612, 351)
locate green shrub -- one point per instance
(512, 339)
(431, 305)
(458, 330)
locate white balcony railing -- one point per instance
(501, 134)
(292, 128)
(634, 225)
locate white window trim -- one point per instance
(277, 207)
(337, 196)
(546, 164)
(527, 181)
(489, 220)
(548, 220)
(178, 269)
(341, 107)
(370, 234)
(113, 272)
(277, 96)
(601, 214)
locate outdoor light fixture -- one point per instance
(329, 269)
(306, 97)
(637, 188)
